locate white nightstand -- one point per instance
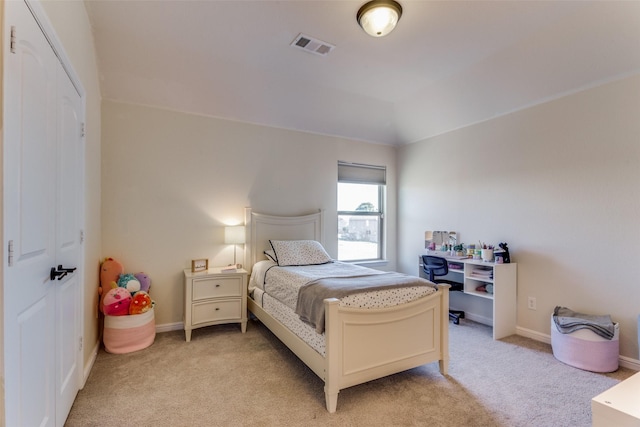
(213, 297)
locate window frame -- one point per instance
(371, 175)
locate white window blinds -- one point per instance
(361, 174)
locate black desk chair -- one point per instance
(435, 266)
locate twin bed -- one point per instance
(348, 341)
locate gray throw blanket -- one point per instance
(310, 306)
(569, 321)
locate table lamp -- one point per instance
(234, 235)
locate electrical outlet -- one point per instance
(531, 303)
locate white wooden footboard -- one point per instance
(366, 344)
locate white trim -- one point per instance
(477, 318)
(89, 366)
(35, 6)
(168, 327)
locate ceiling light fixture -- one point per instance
(379, 17)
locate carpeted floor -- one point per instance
(225, 378)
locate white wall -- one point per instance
(171, 181)
(560, 182)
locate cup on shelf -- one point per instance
(487, 255)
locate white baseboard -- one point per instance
(479, 319)
(625, 362)
(534, 335)
(168, 327)
(89, 366)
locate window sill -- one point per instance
(372, 263)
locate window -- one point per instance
(360, 211)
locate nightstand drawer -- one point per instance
(212, 311)
(217, 287)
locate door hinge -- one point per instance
(82, 130)
(12, 43)
(81, 236)
(10, 261)
(80, 344)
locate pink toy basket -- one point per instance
(125, 334)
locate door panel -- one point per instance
(29, 213)
(68, 358)
(36, 403)
(69, 177)
(68, 245)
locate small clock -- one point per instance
(199, 265)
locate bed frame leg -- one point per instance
(331, 401)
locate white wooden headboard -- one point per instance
(261, 228)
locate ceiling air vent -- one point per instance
(312, 45)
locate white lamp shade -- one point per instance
(379, 17)
(234, 235)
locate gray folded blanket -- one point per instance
(569, 321)
(311, 296)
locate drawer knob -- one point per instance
(217, 286)
(217, 308)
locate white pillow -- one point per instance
(299, 252)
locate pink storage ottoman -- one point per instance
(124, 334)
(585, 349)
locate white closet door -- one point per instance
(41, 316)
(69, 188)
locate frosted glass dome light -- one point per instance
(379, 17)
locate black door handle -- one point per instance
(60, 272)
(66, 270)
(55, 273)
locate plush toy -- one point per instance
(129, 282)
(145, 281)
(117, 302)
(141, 303)
(110, 271)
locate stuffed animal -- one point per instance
(145, 281)
(110, 271)
(141, 303)
(117, 302)
(129, 282)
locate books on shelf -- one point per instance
(482, 274)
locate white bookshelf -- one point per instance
(503, 277)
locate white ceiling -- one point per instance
(448, 64)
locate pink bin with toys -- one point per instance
(129, 319)
(124, 334)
